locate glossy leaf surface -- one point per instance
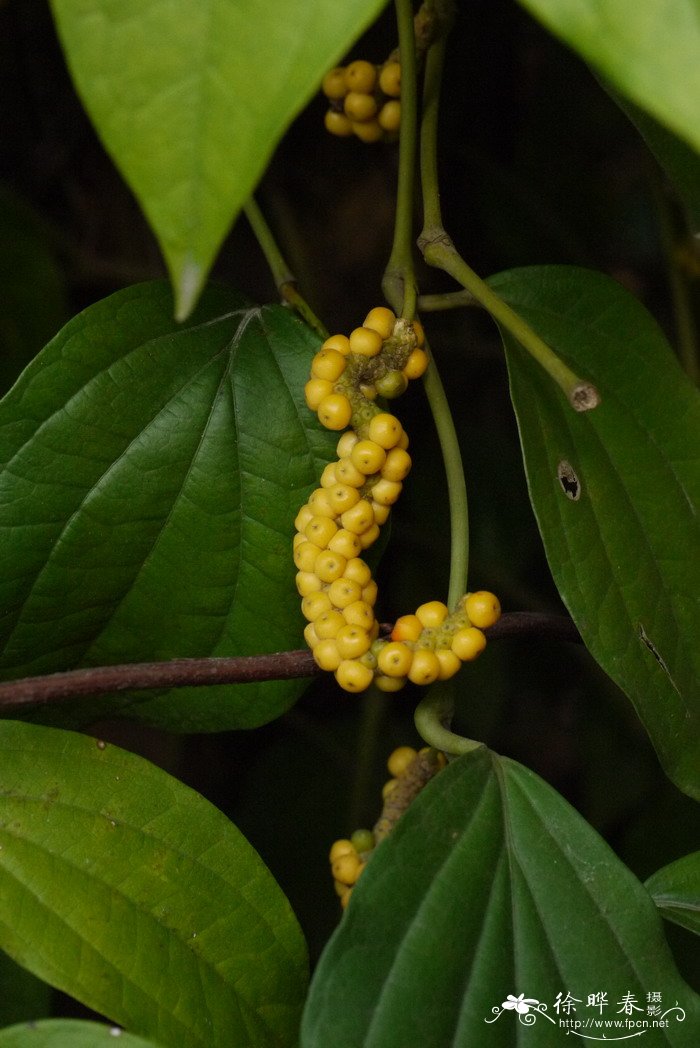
(491, 887)
(190, 100)
(648, 51)
(676, 891)
(132, 893)
(615, 492)
(151, 476)
(69, 1033)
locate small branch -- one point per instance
(242, 669)
(447, 300)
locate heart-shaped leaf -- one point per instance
(69, 1033)
(132, 893)
(615, 492)
(190, 100)
(649, 53)
(150, 478)
(676, 891)
(492, 907)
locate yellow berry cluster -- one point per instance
(348, 857)
(364, 100)
(343, 516)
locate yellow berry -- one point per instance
(368, 131)
(328, 364)
(365, 342)
(341, 343)
(359, 518)
(344, 591)
(341, 847)
(328, 624)
(359, 106)
(342, 497)
(432, 614)
(449, 663)
(327, 655)
(359, 613)
(329, 566)
(394, 660)
(381, 513)
(389, 118)
(346, 867)
(400, 759)
(419, 332)
(382, 320)
(390, 79)
(390, 684)
(320, 503)
(310, 635)
(314, 605)
(368, 456)
(315, 390)
(352, 641)
(385, 430)
(360, 76)
(347, 473)
(334, 411)
(403, 442)
(407, 627)
(358, 571)
(320, 531)
(483, 609)
(346, 443)
(468, 643)
(333, 83)
(308, 582)
(351, 675)
(368, 537)
(298, 539)
(425, 667)
(386, 492)
(337, 124)
(369, 593)
(305, 555)
(416, 365)
(302, 518)
(397, 465)
(345, 898)
(329, 476)
(346, 543)
(389, 786)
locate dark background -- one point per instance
(538, 166)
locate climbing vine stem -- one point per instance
(432, 716)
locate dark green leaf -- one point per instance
(152, 473)
(615, 492)
(491, 885)
(132, 893)
(190, 100)
(22, 995)
(676, 891)
(70, 1033)
(649, 52)
(33, 297)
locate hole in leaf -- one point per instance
(570, 484)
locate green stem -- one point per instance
(678, 284)
(280, 271)
(399, 283)
(446, 300)
(456, 486)
(434, 63)
(432, 715)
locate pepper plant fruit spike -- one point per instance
(176, 94)
(648, 56)
(70, 1033)
(676, 891)
(130, 892)
(615, 492)
(492, 890)
(150, 477)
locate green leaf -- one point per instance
(132, 893)
(33, 295)
(676, 891)
(615, 492)
(69, 1033)
(152, 473)
(22, 995)
(491, 885)
(190, 101)
(647, 52)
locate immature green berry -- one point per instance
(363, 841)
(391, 385)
